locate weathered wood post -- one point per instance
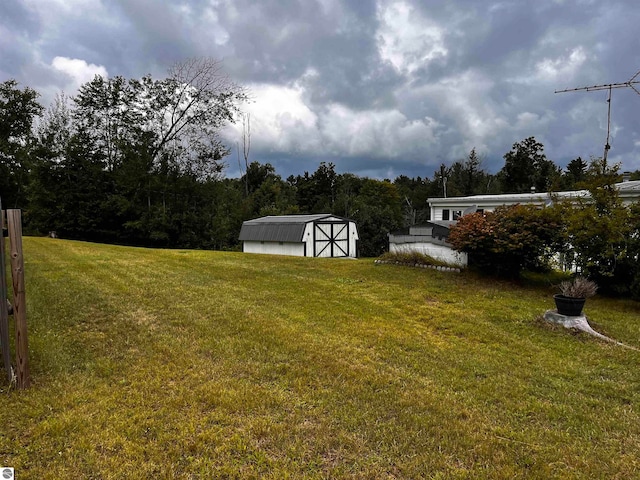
(4, 313)
(14, 222)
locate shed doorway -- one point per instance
(331, 239)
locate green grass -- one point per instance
(192, 364)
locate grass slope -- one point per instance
(192, 364)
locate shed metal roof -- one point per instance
(289, 218)
(279, 228)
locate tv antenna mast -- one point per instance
(628, 84)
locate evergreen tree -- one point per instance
(526, 167)
(576, 172)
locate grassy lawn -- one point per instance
(192, 364)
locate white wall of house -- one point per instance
(439, 252)
(274, 248)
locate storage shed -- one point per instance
(320, 235)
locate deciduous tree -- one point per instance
(316, 193)
(377, 211)
(18, 109)
(600, 229)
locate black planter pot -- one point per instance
(569, 306)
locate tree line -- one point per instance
(140, 162)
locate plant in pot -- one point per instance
(573, 294)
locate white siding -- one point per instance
(307, 239)
(274, 248)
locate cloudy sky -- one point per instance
(378, 87)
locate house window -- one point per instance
(445, 214)
(457, 214)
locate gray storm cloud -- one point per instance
(373, 86)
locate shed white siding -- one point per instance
(274, 248)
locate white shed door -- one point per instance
(331, 239)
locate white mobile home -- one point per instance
(320, 235)
(451, 208)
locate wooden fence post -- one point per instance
(4, 313)
(14, 222)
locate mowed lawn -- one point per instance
(195, 364)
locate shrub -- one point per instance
(510, 239)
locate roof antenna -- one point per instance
(630, 84)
